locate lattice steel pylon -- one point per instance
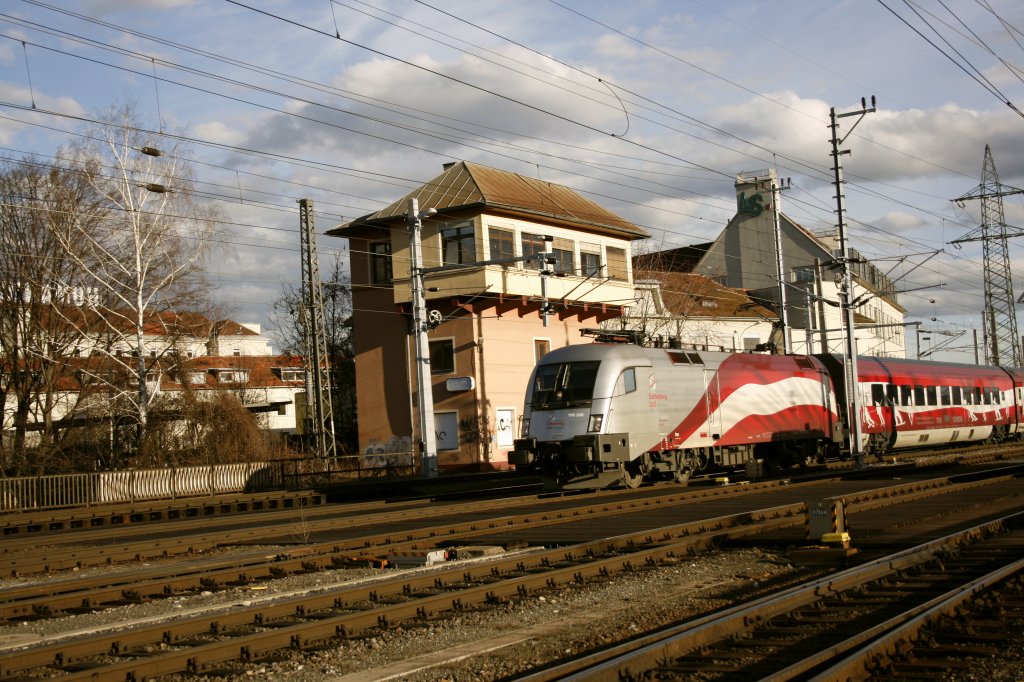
(319, 407)
(1002, 344)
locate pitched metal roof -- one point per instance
(469, 185)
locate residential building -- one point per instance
(184, 353)
(490, 321)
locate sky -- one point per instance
(649, 107)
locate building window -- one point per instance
(502, 243)
(232, 376)
(561, 251)
(291, 373)
(380, 263)
(442, 357)
(540, 347)
(532, 245)
(458, 244)
(617, 263)
(590, 259)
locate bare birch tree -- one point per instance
(146, 260)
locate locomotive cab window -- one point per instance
(626, 383)
(567, 384)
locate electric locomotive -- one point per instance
(602, 415)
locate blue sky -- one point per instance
(650, 107)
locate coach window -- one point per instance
(626, 383)
(977, 395)
(944, 398)
(892, 392)
(906, 396)
(877, 394)
(957, 400)
(919, 395)
(932, 395)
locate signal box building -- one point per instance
(490, 322)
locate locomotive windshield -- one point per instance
(569, 384)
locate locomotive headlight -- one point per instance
(525, 428)
(596, 420)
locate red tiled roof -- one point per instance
(692, 295)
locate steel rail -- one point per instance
(894, 634)
(631, 660)
(38, 523)
(20, 559)
(379, 604)
(50, 600)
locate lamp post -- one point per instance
(425, 390)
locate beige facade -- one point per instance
(492, 322)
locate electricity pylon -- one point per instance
(1002, 344)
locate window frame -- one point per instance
(531, 245)
(381, 271)
(461, 236)
(618, 270)
(498, 238)
(434, 349)
(538, 344)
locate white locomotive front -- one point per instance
(598, 415)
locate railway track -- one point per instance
(80, 594)
(882, 619)
(201, 643)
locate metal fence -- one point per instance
(67, 490)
